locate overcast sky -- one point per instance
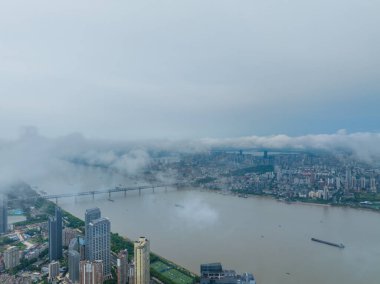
(189, 69)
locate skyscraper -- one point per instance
(142, 261)
(3, 214)
(373, 185)
(122, 267)
(91, 272)
(74, 259)
(98, 244)
(90, 215)
(55, 235)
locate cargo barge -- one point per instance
(328, 243)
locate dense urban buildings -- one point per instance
(55, 235)
(142, 261)
(3, 214)
(91, 272)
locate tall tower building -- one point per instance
(363, 183)
(91, 272)
(337, 182)
(11, 257)
(142, 261)
(74, 259)
(99, 243)
(90, 215)
(373, 184)
(3, 214)
(348, 181)
(55, 235)
(122, 267)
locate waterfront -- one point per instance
(269, 238)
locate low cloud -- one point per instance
(35, 159)
(361, 145)
(196, 213)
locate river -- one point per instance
(260, 235)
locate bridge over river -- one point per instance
(92, 193)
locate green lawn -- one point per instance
(171, 273)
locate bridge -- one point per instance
(109, 191)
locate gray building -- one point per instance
(78, 244)
(213, 273)
(90, 215)
(3, 214)
(74, 260)
(55, 235)
(98, 243)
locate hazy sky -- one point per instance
(189, 69)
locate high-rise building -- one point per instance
(363, 183)
(11, 257)
(3, 214)
(373, 185)
(91, 272)
(74, 259)
(53, 269)
(131, 273)
(122, 267)
(348, 181)
(55, 235)
(90, 215)
(337, 181)
(325, 193)
(142, 261)
(98, 244)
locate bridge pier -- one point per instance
(153, 189)
(93, 195)
(139, 191)
(125, 193)
(56, 200)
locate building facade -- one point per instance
(98, 243)
(91, 272)
(53, 270)
(122, 267)
(55, 235)
(3, 214)
(90, 215)
(11, 257)
(142, 261)
(68, 234)
(74, 260)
